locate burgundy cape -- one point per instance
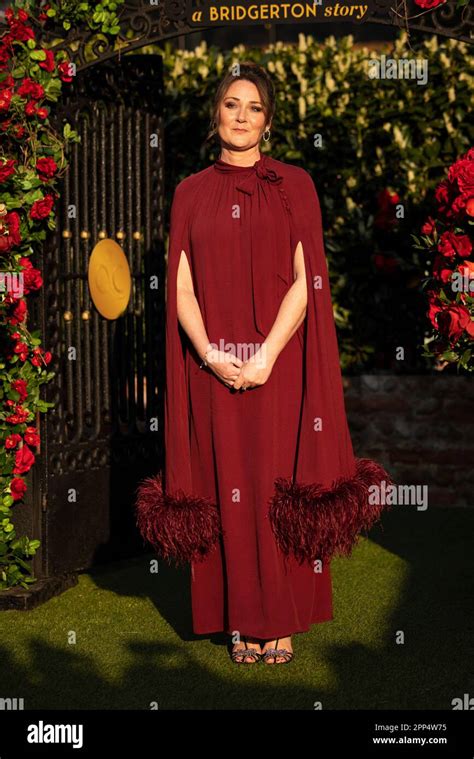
(319, 500)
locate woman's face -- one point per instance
(241, 109)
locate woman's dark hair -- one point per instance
(252, 72)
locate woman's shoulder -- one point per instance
(290, 171)
(298, 182)
(192, 182)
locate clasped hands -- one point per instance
(238, 374)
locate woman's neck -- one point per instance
(240, 158)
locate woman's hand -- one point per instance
(255, 371)
(225, 365)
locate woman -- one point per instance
(261, 486)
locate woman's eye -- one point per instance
(255, 107)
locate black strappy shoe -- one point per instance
(244, 653)
(273, 653)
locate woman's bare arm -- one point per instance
(224, 364)
(189, 313)
(292, 310)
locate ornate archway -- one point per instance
(143, 23)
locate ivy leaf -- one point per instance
(19, 72)
(449, 356)
(38, 55)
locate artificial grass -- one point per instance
(135, 646)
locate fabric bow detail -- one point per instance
(262, 171)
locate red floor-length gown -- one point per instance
(241, 441)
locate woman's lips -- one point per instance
(236, 129)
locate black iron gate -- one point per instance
(104, 433)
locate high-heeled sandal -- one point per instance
(244, 653)
(273, 653)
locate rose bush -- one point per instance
(31, 161)
(447, 239)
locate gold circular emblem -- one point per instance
(110, 283)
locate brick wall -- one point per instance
(421, 428)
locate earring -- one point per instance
(266, 138)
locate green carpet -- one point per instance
(134, 644)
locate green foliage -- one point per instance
(103, 16)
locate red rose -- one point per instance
(42, 208)
(18, 31)
(30, 108)
(444, 275)
(12, 440)
(43, 15)
(444, 195)
(19, 312)
(450, 244)
(7, 169)
(32, 279)
(470, 207)
(463, 172)
(19, 417)
(29, 88)
(5, 99)
(63, 70)
(47, 357)
(22, 350)
(459, 206)
(42, 113)
(48, 64)
(46, 168)
(9, 232)
(32, 437)
(429, 3)
(24, 460)
(20, 386)
(429, 226)
(453, 320)
(18, 131)
(17, 488)
(10, 16)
